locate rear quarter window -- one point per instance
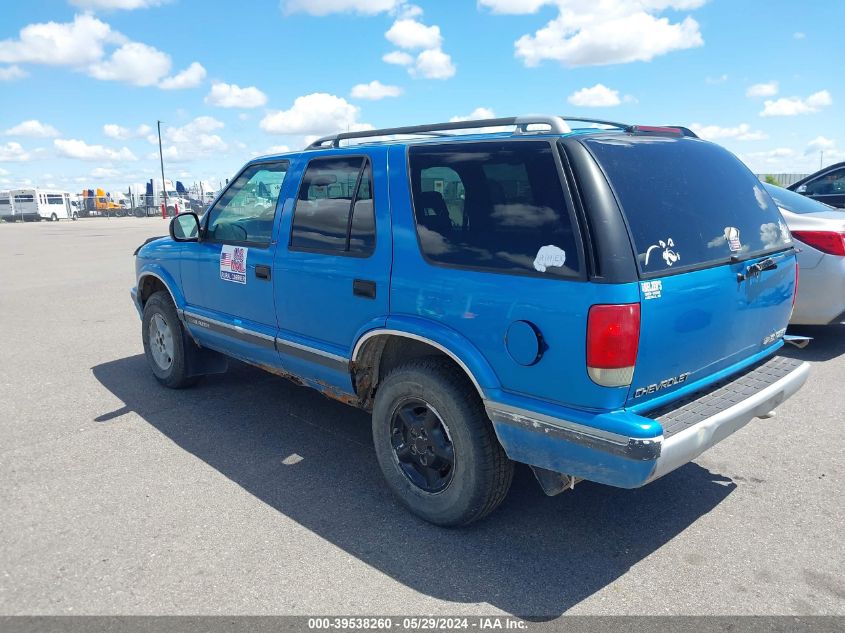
(688, 203)
(493, 205)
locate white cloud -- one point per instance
(792, 106)
(799, 35)
(820, 143)
(592, 33)
(769, 89)
(513, 7)
(787, 160)
(233, 96)
(325, 7)
(34, 128)
(60, 44)
(715, 81)
(314, 114)
(116, 4)
(741, 132)
(105, 172)
(134, 63)
(13, 152)
(196, 139)
(599, 96)
(412, 35)
(10, 73)
(82, 45)
(276, 149)
(80, 150)
(433, 64)
(400, 58)
(112, 130)
(478, 113)
(374, 91)
(191, 77)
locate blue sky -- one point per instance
(84, 81)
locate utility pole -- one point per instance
(821, 158)
(161, 158)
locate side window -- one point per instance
(245, 211)
(334, 209)
(831, 183)
(496, 206)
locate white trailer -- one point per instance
(42, 204)
(7, 206)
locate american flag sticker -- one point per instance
(233, 263)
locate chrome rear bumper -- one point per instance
(690, 426)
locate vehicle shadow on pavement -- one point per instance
(828, 342)
(535, 557)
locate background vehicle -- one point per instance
(99, 202)
(826, 185)
(150, 201)
(492, 297)
(42, 204)
(7, 206)
(819, 231)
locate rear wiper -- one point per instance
(755, 269)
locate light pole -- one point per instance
(161, 159)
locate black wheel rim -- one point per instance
(422, 446)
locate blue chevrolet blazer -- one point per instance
(600, 301)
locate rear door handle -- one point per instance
(262, 272)
(364, 288)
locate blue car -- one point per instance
(599, 301)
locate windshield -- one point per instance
(795, 202)
(688, 202)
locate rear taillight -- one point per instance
(613, 335)
(829, 242)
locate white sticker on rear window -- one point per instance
(670, 255)
(233, 263)
(732, 236)
(549, 256)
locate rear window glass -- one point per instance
(493, 206)
(688, 202)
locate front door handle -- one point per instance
(364, 288)
(262, 272)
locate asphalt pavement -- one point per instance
(250, 495)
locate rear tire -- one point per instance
(436, 395)
(54, 218)
(165, 342)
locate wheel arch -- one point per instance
(375, 353)
(150, 281)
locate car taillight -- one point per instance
(829, 242)
(613, 335)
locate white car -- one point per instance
(819, 234)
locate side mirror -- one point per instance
(185, 227)
(801, 189)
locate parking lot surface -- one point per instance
(249, 495)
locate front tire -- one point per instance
(436, 446)
(165, 342)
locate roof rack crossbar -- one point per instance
(556, 124)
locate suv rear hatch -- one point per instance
(700, 223)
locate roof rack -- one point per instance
(557, 125)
